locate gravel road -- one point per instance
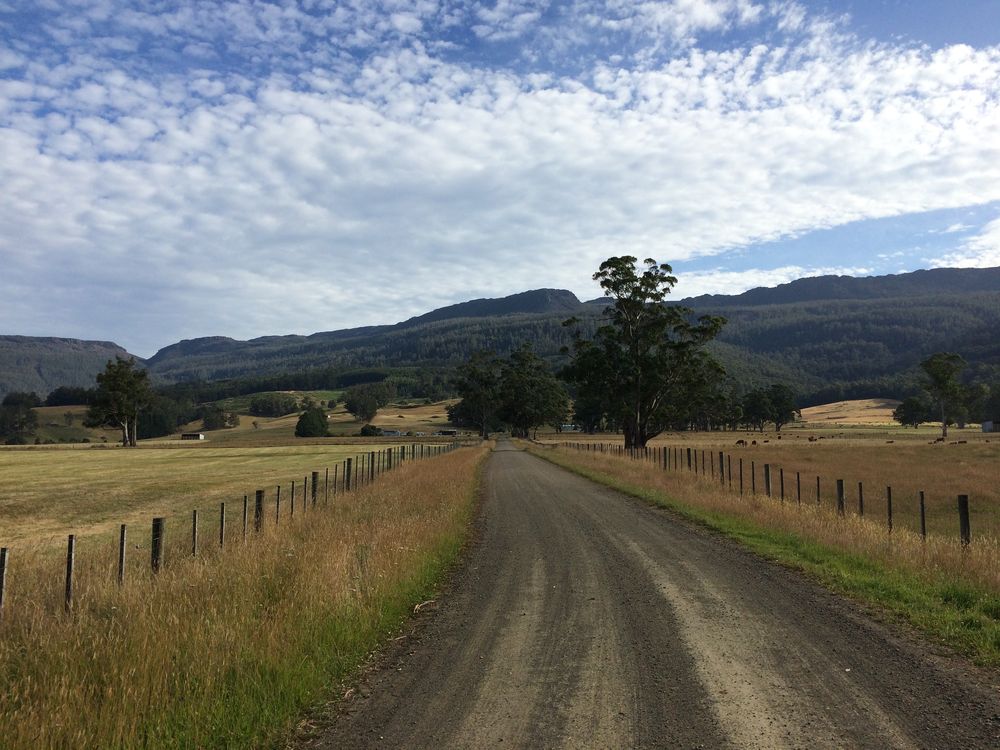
(583, 618)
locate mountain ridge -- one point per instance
(861, 326)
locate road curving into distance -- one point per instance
(584, 618)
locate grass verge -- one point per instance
(228, 649)
(950, 594)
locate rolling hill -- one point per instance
(831, 337)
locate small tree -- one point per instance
(478, 385)
(912, 412)
(364, 401)
(18, 422)
(756, 409)
(122, 392)
(942, 371)
(783, 408)
(214, 417)
(312, 423)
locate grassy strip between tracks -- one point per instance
(229, 649)
(949, 594)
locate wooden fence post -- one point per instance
(861, 499)
(817, 490)
(798, 487)
(767, 479)
(258, 510)
(121, 555)
(888, 506)
(741, 476)
(222, 525)
(194, 533)
(729, 465)
(305, 491)
(371, 466)
(753, 477)
(840, 496)
(923, 517)
(246, 515)
(689, 459)
(964, 530)
(315, 487)
(3, 577)
(70, 560)
(291, 505)
(156, 545)
(781, 483)
(326, 487)
(347, 476)
(277, 504)
(335, 468)
(722, 469)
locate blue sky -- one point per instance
(184, 168)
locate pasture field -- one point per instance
(49, 492)
(267, 431)
(227, 648)
(906, 460)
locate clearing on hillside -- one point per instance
(866, 411)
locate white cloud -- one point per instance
(955, 228)
(311, 187)
(979, 251)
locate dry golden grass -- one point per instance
(909, 466)
(259, 431)
(873, 411)
(819, 522)
(48, 493)
(417, 418)
(227, 649)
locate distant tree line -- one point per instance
(519, 392)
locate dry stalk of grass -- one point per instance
(227, 648)
(938, 556)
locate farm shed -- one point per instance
(192, 436)
(988, 426)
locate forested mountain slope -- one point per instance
(40, 364)
(829, 337)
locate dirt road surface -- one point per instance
(585, 619)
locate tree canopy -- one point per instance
(530, 394)
(478, 385)
(312, 423)
(122, 392)
(364, 401)
(942, 371)
(645, 368)
(912, 412)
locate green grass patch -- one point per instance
(951, 612)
